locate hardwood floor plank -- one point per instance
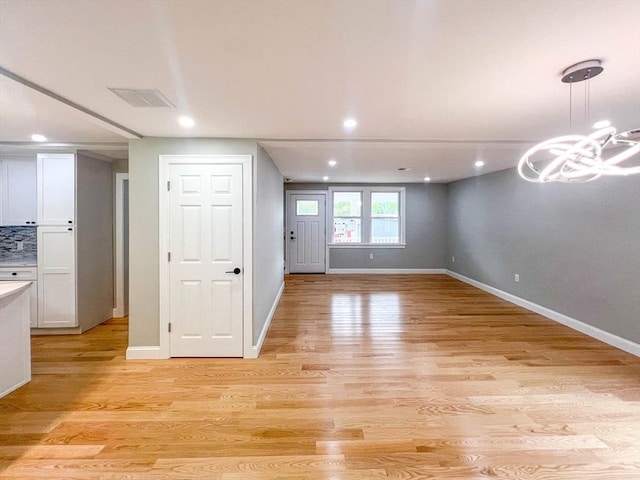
(43, 452)
(360, 378)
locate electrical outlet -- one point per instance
(517, 277)
(19, 245)
(371, 256)
(453, 259)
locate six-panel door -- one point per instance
(205, 236)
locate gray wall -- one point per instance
(94, 241)
(576, 247)
(120, 165)
(426, 232)
(268, 253)
(144, 270)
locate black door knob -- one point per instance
(235, 270)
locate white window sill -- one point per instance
(367, 245)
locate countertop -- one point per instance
(9, 288)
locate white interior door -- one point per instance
(306, 233)
(205, 245)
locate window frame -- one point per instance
(365, 216)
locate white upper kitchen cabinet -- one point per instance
(56, 188)
(18, 179)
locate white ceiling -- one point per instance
(434, 85)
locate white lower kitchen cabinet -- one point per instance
(56, 277)
(20, 274)
(15, 342)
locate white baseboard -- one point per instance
(118, 313)
(154, 352)
(15, 387)
(56, 331)
(145, 353)
(388, 271)
(263, 334)
(602, 335)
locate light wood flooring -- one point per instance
(360, 378)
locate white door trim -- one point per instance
(119, 310)
(288, 194)
(247, 242)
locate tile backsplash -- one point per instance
(10, 235)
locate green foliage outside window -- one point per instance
(342, 209)
(384, 209)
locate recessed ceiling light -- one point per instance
(479, 163)
(602, 124)
(332, 163)
(36, 137)
(427, 179)
(349, 123)
(325, 178)
(186, 122)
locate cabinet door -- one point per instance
(56, 188)
(56, 277)
(19, 192)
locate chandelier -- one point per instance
(582, 158)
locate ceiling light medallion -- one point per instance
(582, 158)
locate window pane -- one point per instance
(307, 207)
(385, 230)
(384, 204)
(347, 230)
(346, 204)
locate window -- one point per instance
(347, 217)
(307, 207)
(368, 215)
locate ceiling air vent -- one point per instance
(139, 98)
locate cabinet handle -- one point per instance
(14, 273)
(70, 229)
(70, 221)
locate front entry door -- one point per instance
(205, 236)
(306, 233)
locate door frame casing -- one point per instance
(288, 194)
(119, 309)
(165, 161)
